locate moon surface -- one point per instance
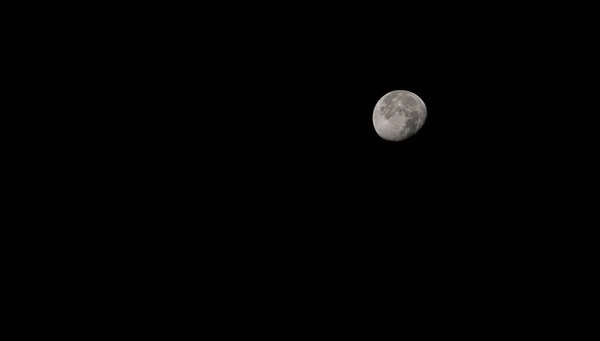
(399, 115)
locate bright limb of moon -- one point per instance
(399, 115)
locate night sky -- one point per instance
(241, 151)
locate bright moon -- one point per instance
(399, 115)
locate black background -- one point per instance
(240, 142)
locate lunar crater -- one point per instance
(399, 115)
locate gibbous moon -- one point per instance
(399, 115)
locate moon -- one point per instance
(399, 115)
